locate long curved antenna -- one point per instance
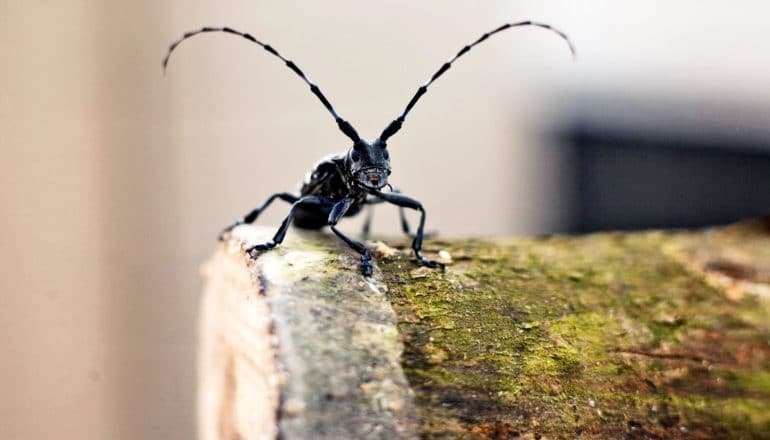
(344, 125)
(395, 125)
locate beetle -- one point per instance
(340, 185)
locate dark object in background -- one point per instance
(661, 164)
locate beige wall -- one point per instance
(115, 180)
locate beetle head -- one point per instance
(369, 164)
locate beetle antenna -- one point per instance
(343, 125)
(395, 125)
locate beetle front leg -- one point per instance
(337, 212)
(281, 233)
(252, 216)
(406, 202)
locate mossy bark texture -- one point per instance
(615, 335)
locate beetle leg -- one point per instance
(281, 233)
(406, 202)
(374, 200)
(367, 221)
(404, 222)
(250, 217)
(339, 210)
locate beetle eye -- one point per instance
(355, 156)
(386, 155)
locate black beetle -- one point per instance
(341, 185)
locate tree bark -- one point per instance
(616, 335)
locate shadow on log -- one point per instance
(617, 335)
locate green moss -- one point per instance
(597, 336)
(755, 382)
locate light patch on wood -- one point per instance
(732, 259)
(227, 424)
(238, 380)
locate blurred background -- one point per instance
(115, 180)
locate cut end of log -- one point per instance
(239, 379)
(635, 335)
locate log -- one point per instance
(614, 335)
(298, 344)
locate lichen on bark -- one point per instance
(608, 335)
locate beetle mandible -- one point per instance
(340, 185)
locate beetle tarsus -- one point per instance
(429, 263)
(366, 265)
(256, 249)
